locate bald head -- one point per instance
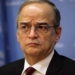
(47, 7)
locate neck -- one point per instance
(32, 59)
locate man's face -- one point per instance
(36, 43)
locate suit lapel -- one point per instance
(55, 65)
(19, 67)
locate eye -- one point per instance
(42, 27)
(24, 27)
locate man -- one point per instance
(38, 30)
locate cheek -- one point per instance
(44, 41)
(22, 40)
(48, 39)
(23, 37)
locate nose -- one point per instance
(33, 33)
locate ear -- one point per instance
(17, 34)
(58, 33)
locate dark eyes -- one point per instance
(25, 26)
(38, 27)
(42, 27)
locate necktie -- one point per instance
(29, 71)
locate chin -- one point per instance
(33, 53)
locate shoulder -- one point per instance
(11, 67)
(67, 61)
(12, 64)
(64, 64)
(68, 65)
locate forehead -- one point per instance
(36, 11)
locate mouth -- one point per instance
(33, 44)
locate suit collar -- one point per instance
(55, 65)
(19, 67)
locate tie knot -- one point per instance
(30, 70)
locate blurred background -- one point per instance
(9, 47)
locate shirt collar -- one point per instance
(42, 65)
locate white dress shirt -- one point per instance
(40, 67)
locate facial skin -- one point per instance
(36, 45)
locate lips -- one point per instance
(33, 44)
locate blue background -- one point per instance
(9, 47)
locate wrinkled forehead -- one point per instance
(37, 12)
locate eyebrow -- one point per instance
(42, 23)
(37, 23)
(26, 23)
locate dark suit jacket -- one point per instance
(59, 65)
